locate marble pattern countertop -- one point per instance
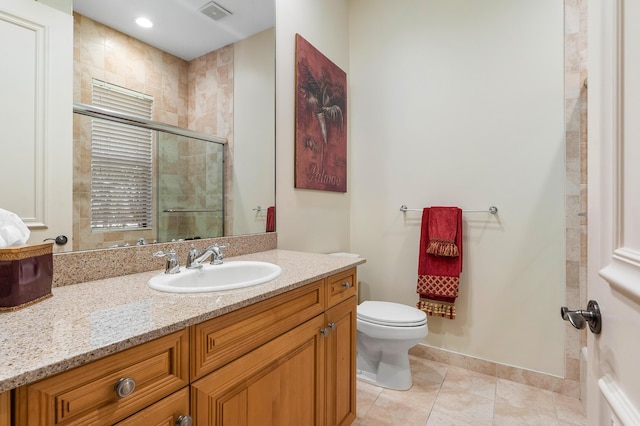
(90, 320)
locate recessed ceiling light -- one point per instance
(144, 22)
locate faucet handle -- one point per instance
(221, 245)
(164, 253)
(217, 254)
(172, 266)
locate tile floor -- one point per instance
(444, 395)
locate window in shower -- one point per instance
(121, 162)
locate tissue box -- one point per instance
(26, 273)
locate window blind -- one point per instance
(121, 162)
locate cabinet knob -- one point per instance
(324, 331)
(184, 421)
(332, 326)
(346, 285)
(125, 387)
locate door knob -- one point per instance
(580, 318)
(60, 239)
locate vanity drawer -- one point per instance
(87, 394)
(341, 286)
(220, 340)
(165, 412)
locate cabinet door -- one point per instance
(5, 408)
(341, 363)
(280, 383)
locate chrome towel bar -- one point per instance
(178, 210)
(492, 210)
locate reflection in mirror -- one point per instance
(118, 207)
(190, 188)
(228, 92)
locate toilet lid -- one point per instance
(392, 314)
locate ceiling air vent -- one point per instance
(214, 11)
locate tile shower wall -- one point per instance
(189, 174)
(197, 95)
(210, 83)
(576, 175)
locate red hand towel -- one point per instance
(438, 275)
(271, 219)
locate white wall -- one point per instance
(254, 131)
(461, 103)
(62, 5)
(307, 220)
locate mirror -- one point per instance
(228, 92)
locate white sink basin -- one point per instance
(230, 275)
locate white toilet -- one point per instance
(386, 332)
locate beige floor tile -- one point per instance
(506, 414)
(524, 396)
(444, 419)
(444, 395)
(469, 381)
(461, 406)
(405, 408)
(423, 370)
(365, 397)
(569, 410)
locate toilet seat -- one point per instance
(391, 314)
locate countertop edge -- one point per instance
(50, 368)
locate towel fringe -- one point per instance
(439, 309)
(441, 247)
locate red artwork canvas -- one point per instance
(321, 121)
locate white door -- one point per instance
(613, 368)
(36, 95)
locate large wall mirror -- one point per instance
(207, 67)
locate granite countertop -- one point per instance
(87, 321)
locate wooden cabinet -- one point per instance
(304, 376)
(225, 338)
(89, 394)
(287, 360)
(166, 412)
(340, 361)
(280, 383)
(5, 408)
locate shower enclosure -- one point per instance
(186, 193)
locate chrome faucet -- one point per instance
(193, 255)
(214, 251)
(172, 266)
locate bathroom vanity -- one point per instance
(280, 352)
